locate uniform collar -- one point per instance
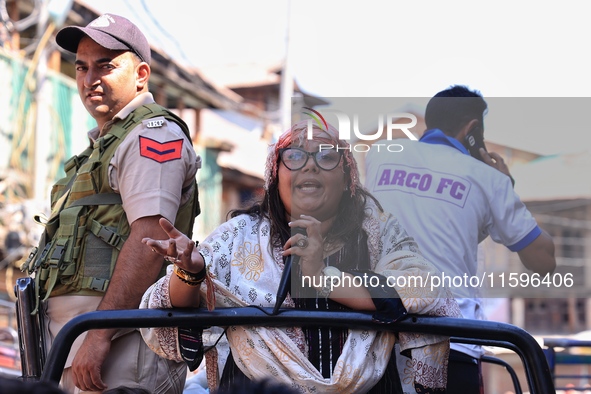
(437, 137)
(138, 101)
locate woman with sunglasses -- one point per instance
(315, 208)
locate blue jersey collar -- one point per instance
(437, 137)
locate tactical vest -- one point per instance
(88, 226)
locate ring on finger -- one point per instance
(303, 242)
(173, 260)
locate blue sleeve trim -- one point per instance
(528, 239)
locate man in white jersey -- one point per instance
(449, 202)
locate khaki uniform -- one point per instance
(151, 181)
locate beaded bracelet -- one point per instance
(190, 278)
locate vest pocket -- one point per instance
(58, 190)
(97, 258)
(58, 269)
(86, 181)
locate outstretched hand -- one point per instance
(178, 249)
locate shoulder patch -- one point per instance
(161, 151)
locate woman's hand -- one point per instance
(309, 247)
(312, 263)
(179, 249)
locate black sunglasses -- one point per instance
(296, 158)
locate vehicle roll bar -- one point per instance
(472, 331)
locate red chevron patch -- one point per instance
(160, 151)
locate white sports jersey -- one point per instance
(449, 202)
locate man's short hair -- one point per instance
(450, 109)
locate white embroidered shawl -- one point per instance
(246, 272)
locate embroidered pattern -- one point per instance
(250, 260)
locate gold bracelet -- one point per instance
(190, 278)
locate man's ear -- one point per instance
(466, 129)
(142, 76)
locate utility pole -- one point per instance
(286, 85)
(42, 140)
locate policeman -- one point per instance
(140, 166)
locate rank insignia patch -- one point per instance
(160, 151)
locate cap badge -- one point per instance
(102, 21)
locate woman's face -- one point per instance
(311, 190)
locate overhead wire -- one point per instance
(163, 31)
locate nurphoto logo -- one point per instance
(395, 121)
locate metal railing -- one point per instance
(508, 368)
(461, 330)
(565, 357)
